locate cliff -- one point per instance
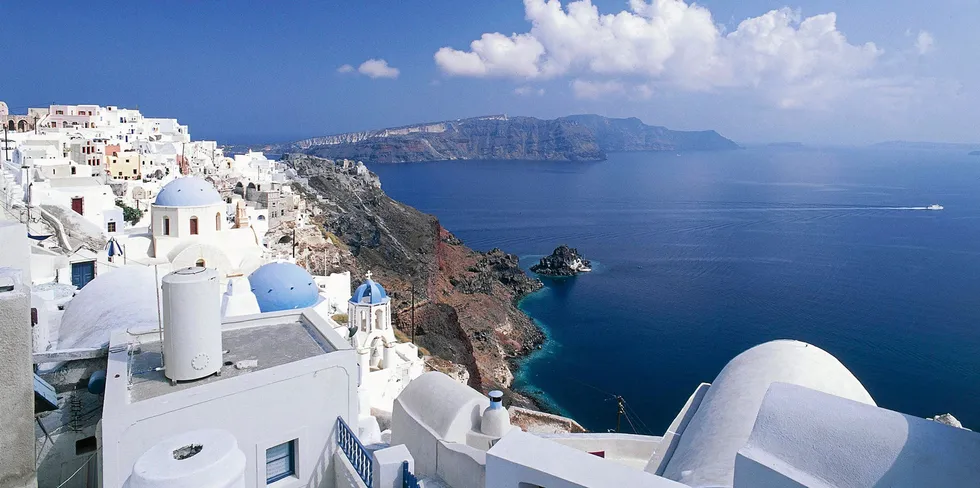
(572, 138)
(465, 300)
(632, 134)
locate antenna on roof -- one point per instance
(157, 284)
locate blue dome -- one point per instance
(370, 292)
(283, 286)
(187, 192)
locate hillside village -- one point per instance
(172, 316)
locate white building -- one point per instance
(283, 382)
(190, 226)
(335, 288)
(784, 413)
(386, 366)
(85, 196)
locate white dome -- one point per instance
(188, 191)
(705, 454)
(117, 300)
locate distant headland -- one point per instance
(500, 137)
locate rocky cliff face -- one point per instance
(572, 138)
(465, 300)
(523, 138)
(633, 135)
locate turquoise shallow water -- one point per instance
(704, 255)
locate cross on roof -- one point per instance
(368, 274)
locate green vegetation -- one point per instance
(335, 240)
(130, 214)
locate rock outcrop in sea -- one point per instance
(565, 261)
(948, 419)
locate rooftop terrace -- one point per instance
(269, 342)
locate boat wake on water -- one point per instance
(828, 208)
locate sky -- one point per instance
(815, 71)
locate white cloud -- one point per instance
(593, 90)
(378, 68)
(793, 60)
(527, 90)
(924, 43)
(372, 68)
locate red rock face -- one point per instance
(465, 301)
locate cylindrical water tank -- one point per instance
(207, 458)
(191, 323)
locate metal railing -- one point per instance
(409, 480)
(357, 454)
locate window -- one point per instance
(111, 227)
(280, 461)
(86, 445)
(217, 221)
(193, 226)
(200, 263)
(166, 226)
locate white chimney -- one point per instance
(496, 420)
(207, 458)
(191, 324)
(239, 299)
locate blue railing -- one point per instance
(408, 479)
(358, 455)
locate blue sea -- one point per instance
(700, 256)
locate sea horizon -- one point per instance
(712, 253)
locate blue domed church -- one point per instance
(385, 366)
(369, 309)
(190, 226)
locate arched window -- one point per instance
(166, 226)
(193, 226)
(217, 221)
(379, 319)
(10, 124)
(73, 170)
(21, 126)
(200, 263)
